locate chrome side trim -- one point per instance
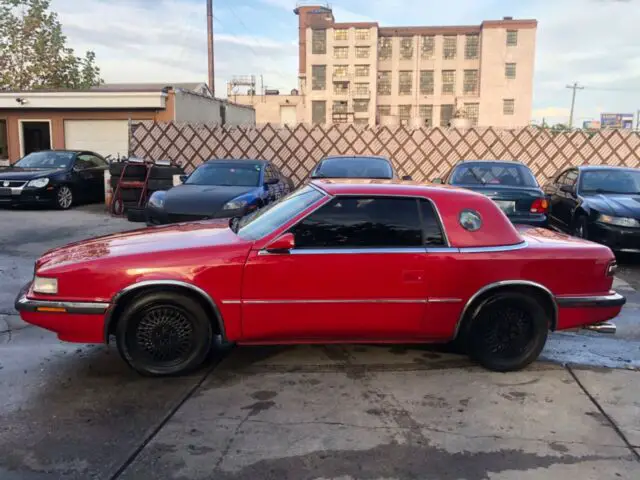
(500, 248)
(614, 299)
(24, 304)
(151, 283)
(353, 251)
(506, 283)
(321, 301)
(231, 302)
(445, 300)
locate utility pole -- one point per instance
(212, 85)
(638, 121)
(573, 87)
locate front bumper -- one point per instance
(81, 322)
(157, 216)
(618, 239)
(27, 196)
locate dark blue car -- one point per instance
(219, 189)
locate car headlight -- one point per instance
(157, 199)
(38, 182)
(235, 204)
(619, 221)
(45, 285)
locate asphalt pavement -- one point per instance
(315, 412)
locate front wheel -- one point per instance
(509, 332)
(64, 197)
(164, 334)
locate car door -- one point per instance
(99, 166)
(357, 272)
(82, 175)
(552, 190)
(567, 199)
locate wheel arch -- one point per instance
(478, 299)
(121, 299)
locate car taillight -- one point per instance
(539, 205)
(612, 268)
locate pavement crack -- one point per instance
(613, 424)
(227, 447)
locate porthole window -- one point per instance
(470, 220)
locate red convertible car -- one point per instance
(335, 261)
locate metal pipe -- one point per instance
(212, 85)
(603, 327)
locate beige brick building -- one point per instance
(366, 74)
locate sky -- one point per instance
(593, 42)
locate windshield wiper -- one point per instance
(475, 175)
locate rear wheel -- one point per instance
(509, 332)
(164, 334)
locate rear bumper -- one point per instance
(540, 220)
(587, 311)
(618, 239)
(613, 299)
(81, 322)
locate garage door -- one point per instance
(288, 115)
(106, 137)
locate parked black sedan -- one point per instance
(59, 178)
(355, 166)
(599, 203)
(219, 189)
(508, 183)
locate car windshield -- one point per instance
(625, 182)
(46, 160)
(266, 220)
(361, 167)
(227, 175)
(493, 174)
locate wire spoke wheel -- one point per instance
(509, 331)
(64, 197)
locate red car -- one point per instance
(336, 261)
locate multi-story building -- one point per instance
(366, 74)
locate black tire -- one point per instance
(134, 171)
(131, 194)
(581, 227)
(63, 197)
(135, 214)
(509, 332)
(164, 324)
(165, 172)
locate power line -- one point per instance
(573, 87)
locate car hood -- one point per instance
(202, 199)
(155, 241)
(14, 173)
(614, 204)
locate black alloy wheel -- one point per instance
(509, 332)
(164, 334)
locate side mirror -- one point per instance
(283, 244)
(271, 181)
(437, 180)
(183, 178)
(407, 177)
(568, 189)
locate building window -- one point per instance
(449, 47)
(362, 34)
(472, 46)
(361, 105)
(426, 114)
(341, 34)
(404, 112)
(340, 88)
(405, 84)
(341, 53)
(473, 112)
(362, 89)
(319, 111)
(340, 71)
(427, 46)
(361, 121)
(318, 77)
(340, 110)
(384, 110)
(384, 83)
(512, 38)
(318, 42)
(448, 82)
(510, 71)
(385, 48)
(508, 106)
(362, 70)
(406, 48)
(470, 84)
(362, 52)
(426, 82)
(446, 114)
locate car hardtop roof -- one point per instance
(510, 162)
(358, 186)
(236, 161)
(587, 168)
(357, 157)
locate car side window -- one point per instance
(362, 222)
(571, 178)
(561, 178)
(83, 162)
(96, 161)
(432, 230)
(269, 173)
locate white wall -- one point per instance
(195, 108)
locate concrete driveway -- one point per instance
(339, 412)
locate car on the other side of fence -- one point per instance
(219, 189)
(599, 203)
(356, 166)
(344, 261)
(55, 178)
(510, 184)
